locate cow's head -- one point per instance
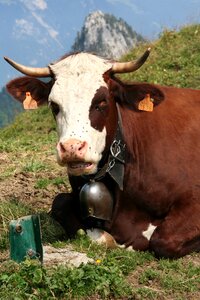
(81, 98)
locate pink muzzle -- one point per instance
(72, 150)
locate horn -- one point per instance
(30, 71)
(131, 66)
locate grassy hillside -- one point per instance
(174, 59)
(30, 178)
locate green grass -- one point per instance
(27, 150)
(115, 274)
(34, 166)
(174, 59)
(105, 277)
(32, 130)
(45, 182)
(170, 278)
(10, 210)
(32, 280)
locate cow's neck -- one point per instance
(116, 158)
(113, 162)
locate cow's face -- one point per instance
(79, 101)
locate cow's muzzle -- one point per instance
(72, 150)
(72, 153)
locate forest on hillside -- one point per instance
(9, 108)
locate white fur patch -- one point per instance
(129, 248)
(78, 77)
(121, 246)
(101, 237)
(148, 233)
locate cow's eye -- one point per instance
(101, 105)
(55, 108)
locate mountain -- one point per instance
(106, 35)
(102, 34)
(174, 60)
(9, 108)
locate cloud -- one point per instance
(23, 27)
(52, 32)
(33, 5)
(128, 3)
(41, 4)
(87, 3)
(28, 27)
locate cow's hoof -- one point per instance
(101, 237)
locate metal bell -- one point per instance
(96, 201)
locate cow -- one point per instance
(132, 152)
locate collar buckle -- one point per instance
(117, 148)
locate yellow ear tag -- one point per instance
(29, 102)
(146, 104)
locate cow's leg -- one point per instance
(179, 233)
(133, 229)
(66, 211)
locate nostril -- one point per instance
(62, 148)
(82, 146)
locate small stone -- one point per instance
(81, 232)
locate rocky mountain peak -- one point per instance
(106, 35)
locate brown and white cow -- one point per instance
(156, 186)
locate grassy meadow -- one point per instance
(30, 178)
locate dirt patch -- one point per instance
(22, 186)
(18, 184)
(5, 255)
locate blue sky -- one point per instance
(37, 32)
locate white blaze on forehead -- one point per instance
(81, 63)
(150, 230)
(78, 77)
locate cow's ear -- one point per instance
(138, 96)
(30, 91)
